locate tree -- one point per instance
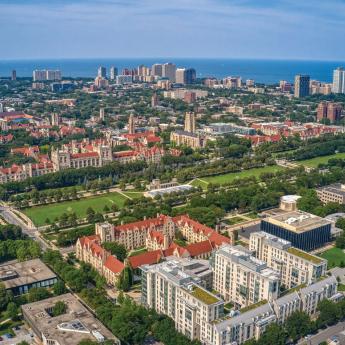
(298, 325)
(125, 280)
(274, 335)
(59, 308)
(329, 313)
(116, 249)
(12, 311)
(37, 294)
(5, 297)
(59, 288)
(90, 215)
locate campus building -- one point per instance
(304, 230)
(170, 290)
(243, 279)
(251, 322)
(20, 277)
(177, 288)
(89, 250)
(134, 235)
(332, 193)
(75, 325)
(295, 266)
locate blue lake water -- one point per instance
(264, 71)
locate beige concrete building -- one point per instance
(243, 279)
(295, 266)
(332, 193)
(172, 291)
(71, 327)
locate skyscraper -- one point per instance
(180, 76)
(169, 71)
(157, 70)
(113, 73)
(131, 125)
(302, 85)
(14, 75)
(102, 72)
(189, 122)
(338, 80)
(190, 75)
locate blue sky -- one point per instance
(283, 29)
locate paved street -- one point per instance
(337, 330)
(11, 218)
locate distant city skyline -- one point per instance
(265, 29)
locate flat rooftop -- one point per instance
(244, 257)
(15, 273)
(297, 221)
(336, 188)
(69, 328)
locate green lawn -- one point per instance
(334, 256)
(256, 172)
(134, 195)
(199, 183)
(39, 214)
(314, 162)
(234, 220)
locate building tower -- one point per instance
(338, 80)
(14, 75)
(302, 85)
(189, 122)
(156, 70)
(55, 119)
(131, 125)
(169, 71)
(113, 73)
(329, 110)
(180, 76)
(190, 76)
(101, 114)
(102, 72)
(154, 100)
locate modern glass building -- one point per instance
(20, 277)
(305, 231)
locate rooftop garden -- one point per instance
(304, 255)
(253, 306)
(204, 296)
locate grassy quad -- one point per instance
(256, 172)
(39, 214)
(314, 162)
(334, 256)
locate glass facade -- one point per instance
(307, 240)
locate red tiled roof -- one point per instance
(157, 235)
(113, 264)
(84, 155)
(148, 258)
(199, 248)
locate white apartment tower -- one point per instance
(295, 266)
(243, 279)
(338, 80)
